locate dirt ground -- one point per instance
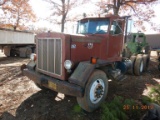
(20, 99)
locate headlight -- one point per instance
(68, 64)
(33, 57)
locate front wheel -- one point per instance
(95, 91)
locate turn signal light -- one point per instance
(93, 60)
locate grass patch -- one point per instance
(153, 95)
(77, 109)
(120, 109)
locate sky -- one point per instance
(42, 10)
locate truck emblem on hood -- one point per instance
(73, 46)
(90, 45)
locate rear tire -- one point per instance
(146, 60)
(95, 91)
(12, 53)
(133, 59)
(139, 65)
(28, 52)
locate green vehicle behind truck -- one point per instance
(138, 50)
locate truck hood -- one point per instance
(54, 48)
(74, 37)
(85, 38)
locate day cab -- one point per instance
(81, 64)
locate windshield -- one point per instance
(93, 26)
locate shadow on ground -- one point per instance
(46, 105)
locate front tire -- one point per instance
(95, 91)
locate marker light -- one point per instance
(33, 56)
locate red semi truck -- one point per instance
(80, 65)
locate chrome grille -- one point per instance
(49, 54)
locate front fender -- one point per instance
(82, 73)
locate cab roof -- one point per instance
(104, 17)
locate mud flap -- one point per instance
(81, 73)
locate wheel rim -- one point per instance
(97, 91)
(141, 67)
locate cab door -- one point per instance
(115, 41)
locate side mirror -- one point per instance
(113, 29)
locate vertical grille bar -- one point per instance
(45, 55)
(57, 61)
(50, 56)
(54, 53)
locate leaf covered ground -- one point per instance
(20, 99)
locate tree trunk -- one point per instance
(62, 23)
(17, 24)
(63, 15)
(116, 10)
(116, 6)
(17, 21)
(15, 28)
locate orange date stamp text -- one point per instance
(138, 107)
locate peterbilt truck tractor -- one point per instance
(80, 65)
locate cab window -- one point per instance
(116, 28)
(93, 26)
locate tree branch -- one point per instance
(135, 12)
(3, 2)
(54, 3)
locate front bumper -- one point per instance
(54, 84)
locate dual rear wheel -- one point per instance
(140, 63)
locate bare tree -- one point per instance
(116, 4)
(2, 2)
(18, 12)
(142, 14)
(61, 8)
(141, 10)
